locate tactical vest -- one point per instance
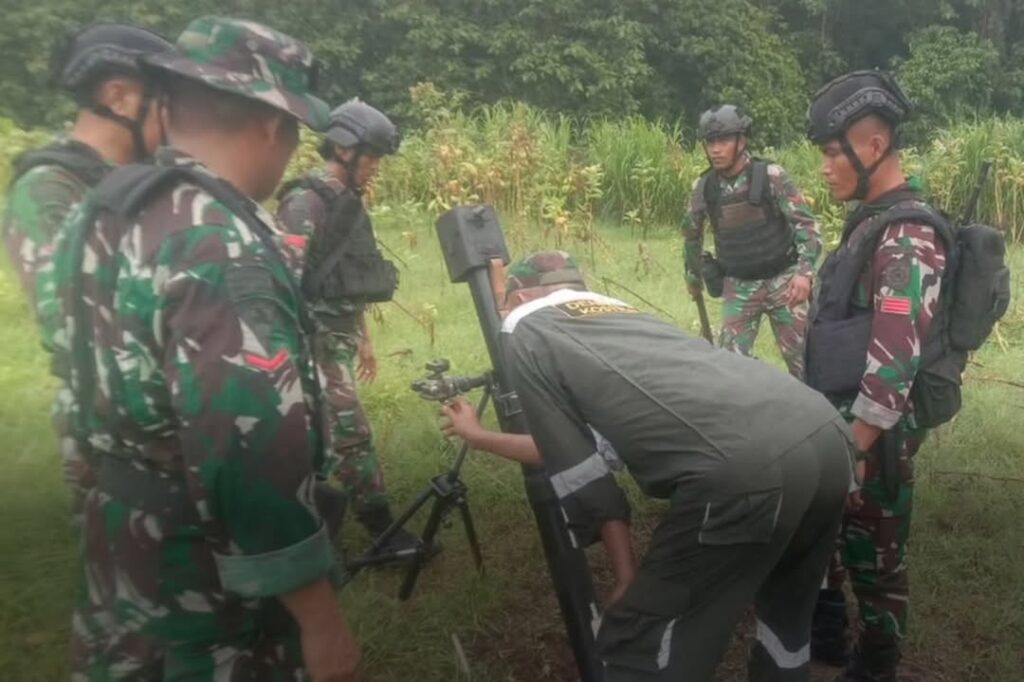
(77, 158)
(839, 333)
(343, 263)
(753, 239)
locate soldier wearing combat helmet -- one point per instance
(206, 555)
(116, 123)
(766, 240)
(871, 330)
(343, 272)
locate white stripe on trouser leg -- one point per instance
(784, 659)
(665, 650)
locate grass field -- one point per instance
(968, 542)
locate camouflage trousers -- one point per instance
(873, 540)
(150, 606)
(352, 460)
(77, 472)
(745, 301)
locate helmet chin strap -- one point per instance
(863, 173)
(739, 152)
(134, 125)
(350, 167)
(735, 157)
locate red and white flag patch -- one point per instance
(265, 363)
(894, 305)
(295, 240)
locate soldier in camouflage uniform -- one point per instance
(318, 210)
(115, 124)
(867, 332)
(766, 240)
(205, 554)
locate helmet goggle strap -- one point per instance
(863, 173)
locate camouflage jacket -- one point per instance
(301, 212)
(203, 375)
(792, 204)
(38, 202)
(901, 284)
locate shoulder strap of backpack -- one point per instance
(864, 249)
(243, 208)
(711, 191)
(76, 158)
(760, 190)
(322, 189)
(123, 192)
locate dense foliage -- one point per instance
(663, 59)
(551, 177)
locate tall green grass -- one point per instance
(558, 174)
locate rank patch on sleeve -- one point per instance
(584, 308)
(265, 363)
(894, 305)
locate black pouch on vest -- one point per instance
(827, 343)
(367, 277)
(713, 273)
(936, 392)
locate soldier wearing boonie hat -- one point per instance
(206, 554)
(542, 269)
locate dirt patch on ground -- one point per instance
(527, 639)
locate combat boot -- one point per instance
(875, 659)
(376, 520)
(828, 629)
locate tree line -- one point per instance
(662, 59)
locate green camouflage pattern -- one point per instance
(745, 301)
(353, 464)
(873, 543)
(543, 268)
(38, 202)
(901, 283)
(251, 60)
(201, 426)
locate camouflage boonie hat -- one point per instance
(251, 60)
(541, 269)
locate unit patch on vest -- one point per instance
(583, 308)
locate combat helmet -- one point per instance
(722, 121)
(846, 100)
(82, 59)
(357, 124)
